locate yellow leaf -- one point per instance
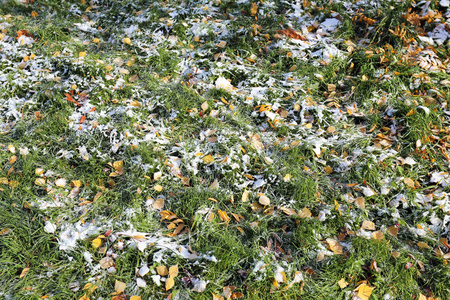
(409, 182)
(208, 159)
(5, 231)
(118, 165)
(335, 246)
(422, 245)
(331, 87)
(96, 40)
(158, 188)
(162, 270)
(287, 178)
(422, 297)
(135, 103)
(217, 297)
(82, 54)
(288, 211)
(24, 272)
(127, 41)
(119, 286)
(76, 183)
(254, 9)
(205, 105)
(34, 14)
(169, 283)
(342, 283)
(173, 271)
(134, 78)
(304, 213)
(368, 225)
(244, 196)
(364, 291)
(40, 182)
(96, 243)
(377, 235)
(12, 159)
(4, 180)
(223, 216)
(264, 200)
(12, 149)
(135, 298)
(98, 195)
(84, 297)
(328, 170)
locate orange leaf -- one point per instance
(291, 33)
(223, 216)
(82, 119)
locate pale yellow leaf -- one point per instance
(12, 159)
(24, 272)
(335, 246)
(205, 105)
(106, 262)
(377, 235)
(287, 178)
(158, 188)
(169, 283)
(119, 286)
(158, 203)
(364, 291)
(12, 149)
(409, 182)
(173, 271)
(264, 200)
(118, 165)
(40, 182)
(61, 182)
(245, 196)
(135, 298)
(368, 225)
(342, 283)
(304, 213)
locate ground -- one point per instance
(224, 149)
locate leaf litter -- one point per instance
(249, 112)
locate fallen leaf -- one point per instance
(287, 178)
(173, 271)
(254, 9)
(34, 14)
(409, 182)
(217, 297)
(335, 246)
(392, 230)
(162, 270)
(377, 235)
(158, 203)
(360, 202)
(264, 200)
(169, 283)
(96, 243)
(304, 213)
(364, 291)
(328, 170)
(24, 272)
(12, 159)
(422, 245)
(119, 286)
(223, 216)
(127, 41)
(342, 283)
(106, 262)
(12, 149)
(245, 196)
(291, 33)
(40, 182)
(135, 298)
(205, 106)
(158, 188)
(208, 159)
(288, 211)
(368, 225)
(5, 231)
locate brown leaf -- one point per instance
(106, 262)
(360, 202)
(223, 216)
(392, 230)
(291, 33)
(304, 213)
(158, 203)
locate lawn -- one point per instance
(224, 149)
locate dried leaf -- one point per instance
(409, 182)
(169, 283)
(392, 230)
(264, 200)
(291, 33)
(223, 216)
(119, 286)
(304, 213)
(162, 270)
(127, 41)
(377, 235)
(24, 272)
(106, 262)
(12, 149)
(40, 182)
(342, 283)
(61, 182)
(288, 211)
(254, 9)
(364, 291)
(158, 188)
(12, 159)
(173, 271)
(158, 203)
(360, 202)
(368, 225)
(335, 246)
(245, 196)
(208, 159)
(135, 298)
(205, 106)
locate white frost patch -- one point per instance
(49, 227)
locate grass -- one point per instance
(129, 151)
